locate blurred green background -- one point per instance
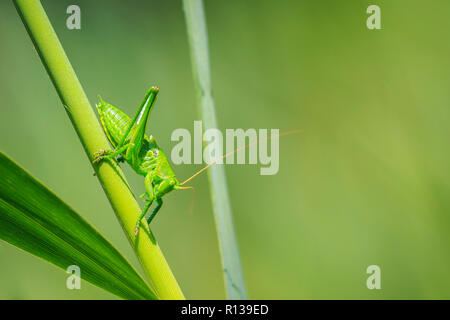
(367, 182)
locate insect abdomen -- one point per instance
(114, 121)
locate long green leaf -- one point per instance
(198, 42)
(36, 220)
(92, 137)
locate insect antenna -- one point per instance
(236, 150)
(184, 188)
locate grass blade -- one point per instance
(93, 139)
(37, 221)
(197, 35)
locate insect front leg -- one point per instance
(151, 196)
(155, 211)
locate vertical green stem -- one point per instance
(93, 139)
(198, 41)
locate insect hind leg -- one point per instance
(151, 196)
(103, 154)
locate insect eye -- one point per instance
(155, 153)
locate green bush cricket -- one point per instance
(142, 153)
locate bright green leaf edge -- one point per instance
(34, 219)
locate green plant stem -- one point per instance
(198, 41)
(93, 139)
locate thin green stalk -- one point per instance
(93, 139)
(198, 41)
